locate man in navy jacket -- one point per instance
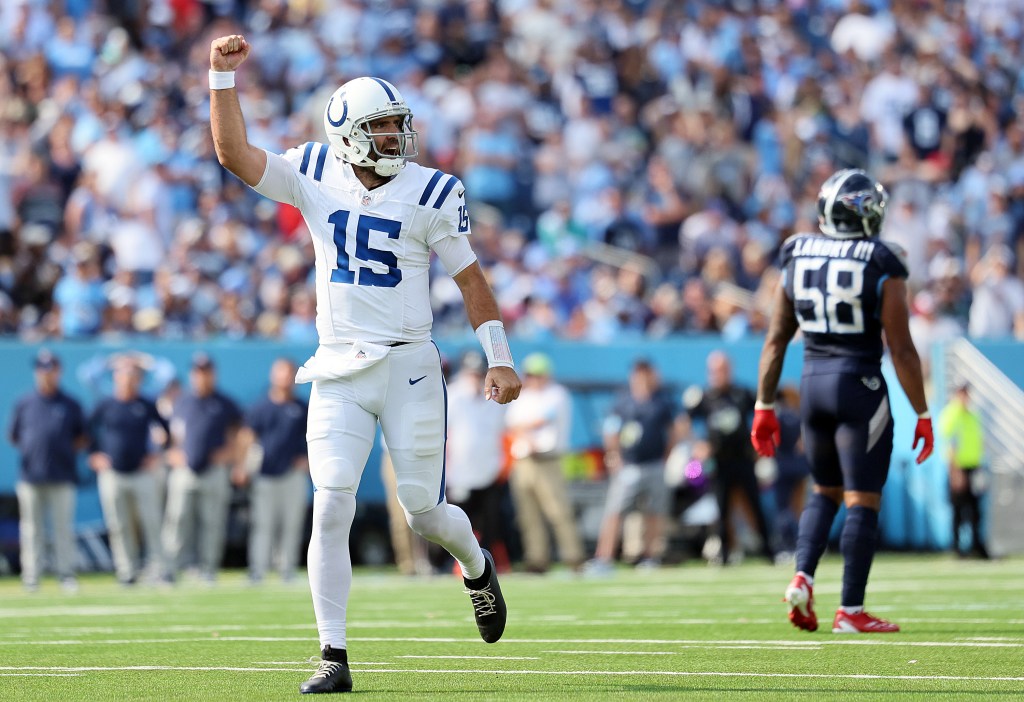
(48, 429)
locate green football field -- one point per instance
(689, 632)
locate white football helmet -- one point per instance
(348, 114)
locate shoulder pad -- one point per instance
(438, 188)
(792, 238)
(899, 253)
(314, 156)
(786, 250)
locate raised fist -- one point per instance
(228, 53)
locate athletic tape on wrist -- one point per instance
(221, 80)
(492, 338)
(925, 415)
(764, 405)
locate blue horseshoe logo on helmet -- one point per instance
(344, 112)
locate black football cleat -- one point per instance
(332, 676)
(488, 604)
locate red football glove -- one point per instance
(923, 432)
(764, 435)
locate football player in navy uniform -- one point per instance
(374, 217)
(842, 290)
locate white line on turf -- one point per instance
(39, 675)
(677, 673)
(620, 653)
(697, 674)
(191, 639)
(804, 647)
(94, 668)
(308, 663)
(492, 658)
(697, 643)
(371, 625)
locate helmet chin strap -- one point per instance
(388, 167)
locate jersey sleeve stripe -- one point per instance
(878, 294)
(387, 89)
(304, 166)
(430, 187)
(320, 160)
(452, 180)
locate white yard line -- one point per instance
(697, 674)
(800, 647)
(619, 653)
(62, 670)
(73, 631)
(492, 658)
(790, 643)
(97, 668)
(692, 643)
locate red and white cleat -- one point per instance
(800, 598)
(861, 623)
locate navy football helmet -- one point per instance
(851, 205)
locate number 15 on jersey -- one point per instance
(365, 275)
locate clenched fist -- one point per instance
(228, 53)
(502, 384)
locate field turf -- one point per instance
(689, 632)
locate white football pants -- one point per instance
(405, 392)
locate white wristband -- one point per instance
(220, 80)
(758, 405)
(492, 338)
(925, 415)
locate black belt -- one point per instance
(397, 343)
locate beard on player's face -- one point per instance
(386, 146)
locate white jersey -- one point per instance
(372, 247)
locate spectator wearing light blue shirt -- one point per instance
(79, 300)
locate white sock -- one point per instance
(330, 564)
(448, 526)
(808, 578)
(852, 610)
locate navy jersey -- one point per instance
(726, 411)
(201, 426)
(281, 431)
(121, 430)
(643, 427)
(835, 286)
(45, 430)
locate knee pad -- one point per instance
(419, 482)
(419, 496)
(332, 473)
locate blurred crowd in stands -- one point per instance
(632, 165)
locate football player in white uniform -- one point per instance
(374, 218)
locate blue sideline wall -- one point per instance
(915, 509)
